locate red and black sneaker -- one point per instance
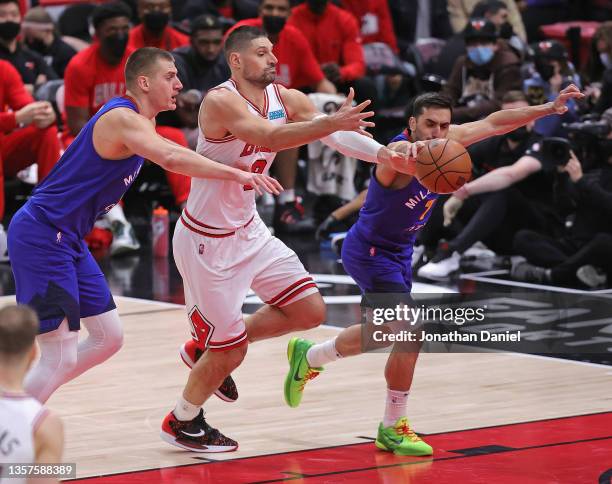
(195, 435)
(190, 353)
(290, 217)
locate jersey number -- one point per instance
(258, 167)
(428, 206)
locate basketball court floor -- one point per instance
(490, 416)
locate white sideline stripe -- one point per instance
(529, 285)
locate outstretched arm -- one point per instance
(507, 120)
(357, 143)
(225, 111)
(139, 136)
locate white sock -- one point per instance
(116, 213)
(185, 410)
(104, 340)
(58, 360)
(323, 353)
(286, 196)
(395, 408)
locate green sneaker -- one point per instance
(401, 440)
(299, 370)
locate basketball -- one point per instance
(443, 166)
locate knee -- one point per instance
(315, 315)
(233, 358)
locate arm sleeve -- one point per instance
(76, 87)
(353, 144)
(352, 52)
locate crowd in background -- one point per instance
(532, 195)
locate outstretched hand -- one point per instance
(352, 118)
(259, 182)
(570, 92)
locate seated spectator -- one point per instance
(334, 37)
(460, 11)
(550, 72)
(430, 20)
(93, 77)
(513, 192)
(154, 30)
(480, 79)
(497, 12)
(40, 35)
(584, 253)
(27, 134)
(375, 20)
(31, 66)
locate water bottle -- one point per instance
(161, 228)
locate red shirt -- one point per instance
(169, 40)
(13, 94)
(297, 66)
(375, 21)
(333, 36)
(89, 81)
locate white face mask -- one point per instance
(606, 60)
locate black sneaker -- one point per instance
(195, 435)
(290, 217)
(190, 353)
(526, 272)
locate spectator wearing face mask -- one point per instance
(154, 30)
(40, 35)
(31, 66)
(480, 79)
(550, 72)
(599, 68)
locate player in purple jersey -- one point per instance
(377, 254)
(54, 271)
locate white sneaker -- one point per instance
(592, 276)
(441, 269)
(417, 253)
(4, 257)
(124, 239)
(337, 241)
(479, 251)
(29, 174)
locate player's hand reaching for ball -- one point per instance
(570, 92)
(352, 118)
(401, 162)
(259, 182)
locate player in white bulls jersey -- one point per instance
(28, 432)
(221, 246)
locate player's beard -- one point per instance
(262, 80)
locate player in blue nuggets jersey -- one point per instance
(377, 254)
(54, 271)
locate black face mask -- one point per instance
(545, 69)
(506, 31)
(9, 30)
(37, 45)
(273, 24)
(317, 6)
(518, 134)
(156, 21)
(115, 44)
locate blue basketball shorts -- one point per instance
(55, 274)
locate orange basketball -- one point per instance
(443, 166)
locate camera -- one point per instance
(556, 151)
(589, 127)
